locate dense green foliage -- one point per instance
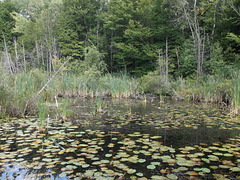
(7, 22)
(158, 41)
(195, 37)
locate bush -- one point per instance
(155, 84)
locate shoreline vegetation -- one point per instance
(18, 91)
(186, 50)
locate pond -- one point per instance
(127, 140)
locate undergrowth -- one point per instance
(18, 91)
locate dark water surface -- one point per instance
(127, 139)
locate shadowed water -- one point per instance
(127, 139)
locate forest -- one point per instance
(183, 49)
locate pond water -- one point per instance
(127, 140)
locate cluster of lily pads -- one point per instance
(126, 146)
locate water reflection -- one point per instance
(127, 139)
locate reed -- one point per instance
(64, 109)
(208, 89)
(235, 93)
(43, 111)
(99, 104)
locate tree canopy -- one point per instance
(190, 38)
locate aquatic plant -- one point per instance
(42, 114)
(208, 89)
(235, 93)
(99, 104)
(64, 109)
(145, 98)
(138, 149)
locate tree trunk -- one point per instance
(7, 56)
(16, 54)
(42, 55)
(178, 64)
(38, 56)
(111, 51)
(24, 58)
(166, 75)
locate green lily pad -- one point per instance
(235, 169)
(131, 171)
(172, 176)
(139, 174)
(151, 166)
(141, 160)
(158, 177)
(108, 155)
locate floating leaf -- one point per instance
(131, 171)
(141, 160)
(172, 176)
(139, 174)
(108, 155)
(235, 169)
(158, 177)
(151, 166)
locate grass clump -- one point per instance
(235, 94)
(42, 114)
(208, 89)
(18, 91)
(155, 84)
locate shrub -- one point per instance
(156, 84)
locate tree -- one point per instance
(137, 30)
(37, 21)
(76, 21)
(7, 22)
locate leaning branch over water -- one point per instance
(39, 92)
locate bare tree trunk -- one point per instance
(47, 62)
(203, 50)
(86, 40)
(50, 62)
(214, 18)
(97, 31)
(189, 23)
(160, 62)
(166, 75)
(7, 55)
(24, 58)
(178, 64)
(38, 55)
(55, 53)
(42, 55)
(199, 59)
(16, 54)
(199, 40)
(111, 51)
(236, 9)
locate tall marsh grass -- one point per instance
(120, 86)
(42, 115)
(212, 89)
(236, 93)
(18, 91)
(209, 89)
